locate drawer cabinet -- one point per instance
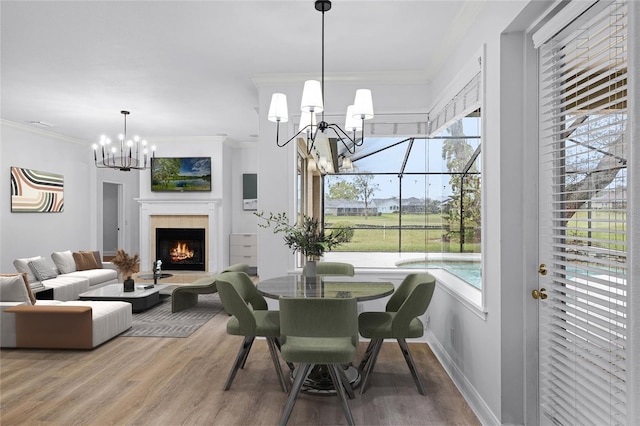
(243, 248)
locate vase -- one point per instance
(129, 284)
(310, 269)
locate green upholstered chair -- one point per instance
(400, 321)
(186, 296)
(318, 331)
(333, 268)
(237, 292)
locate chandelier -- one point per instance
(312, 104)
(125, 157)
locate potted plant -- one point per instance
(305, 237)
(127, 266)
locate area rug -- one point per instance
(160, 322)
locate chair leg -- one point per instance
(246, 354)
(367, 354)
(276, 363)
(411, 364)
(334, 371)
(278, 343)
(240, 358)
(295, 390)
(345, 381)
(377, 345)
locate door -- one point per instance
(112, 217)
(582, 293)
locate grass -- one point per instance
(377, 234)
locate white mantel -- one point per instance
(155, 207)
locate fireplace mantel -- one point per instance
(180, 207)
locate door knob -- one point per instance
(539, 294)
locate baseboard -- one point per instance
(469, 393)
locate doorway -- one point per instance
(112, 218)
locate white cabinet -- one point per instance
(243, 248)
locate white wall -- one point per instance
(486, 355)
(32, 234)
(244, 160)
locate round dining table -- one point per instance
(362, 289)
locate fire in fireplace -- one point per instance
(181, 248)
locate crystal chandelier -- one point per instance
(312, 104)
(124, 157)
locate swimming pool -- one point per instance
(468, 271)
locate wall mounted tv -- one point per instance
(181, 174)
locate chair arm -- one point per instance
(57, 326)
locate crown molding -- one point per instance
(407, 77)
(42, 132)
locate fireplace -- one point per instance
(181, 249)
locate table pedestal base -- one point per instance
(318, 382)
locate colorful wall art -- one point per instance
(33, 191)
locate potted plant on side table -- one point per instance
(127, 266)
(306, 237)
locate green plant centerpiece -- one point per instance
(306, 237)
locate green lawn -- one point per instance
(381, 236)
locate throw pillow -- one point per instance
(32, 297)
(96, 254)
(84, 260)
(22, 266)
(12, 289)
(43, 269)
(64, 261)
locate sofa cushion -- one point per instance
(14, 289)
(109, 318)
(32, 297)
(85, 260)
(22, 266)
(96, 276)
(67, 287)
(64, 261)
(43, 269)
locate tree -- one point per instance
(166, 169)
(366, 189)
(343, 190)
(463, 206)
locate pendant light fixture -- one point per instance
(124, 157)
(312, 104)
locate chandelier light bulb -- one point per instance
(308, 122)
(113, 150)
(136, 138)
(94, 146)
(121, 137)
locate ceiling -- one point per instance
(188, 68)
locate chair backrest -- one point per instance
(236, 267)
(247, 289)
(318, 317)
(333, 268)
(410, 300)
(235, 305)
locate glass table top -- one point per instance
(325, 286)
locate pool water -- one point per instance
(470, 272)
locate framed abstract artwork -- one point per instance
(33, 191)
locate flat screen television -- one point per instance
(180, 174)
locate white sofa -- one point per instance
(66, 274)
(54, 323)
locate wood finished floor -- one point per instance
(178, 381)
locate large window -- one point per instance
(418, 197)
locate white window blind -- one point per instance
(583, 222)
(461, 105)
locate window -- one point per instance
(418, 197)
